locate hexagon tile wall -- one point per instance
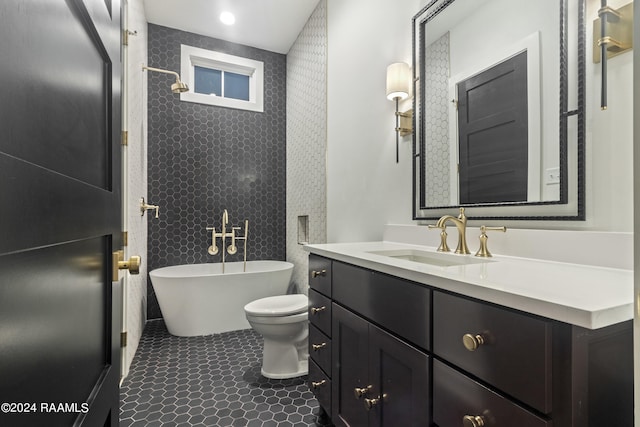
(203, 159)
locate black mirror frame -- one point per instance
(547, 211)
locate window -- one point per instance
(219, 79)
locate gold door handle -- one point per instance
(472, 342)
(360, 392)
(370, 403)
(316, 347)
(133, 264)
(315, 274)
(318, 384)
(472, 421)
(118, 263)
(316, 310)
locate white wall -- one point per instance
(136, 155)
(610, 143)
(306, 140)
(366, 189)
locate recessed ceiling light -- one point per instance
(227, 18)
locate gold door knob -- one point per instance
(316, 310)
(316, 347)
(472, 342)
(318, 384)
(360, 392)
(370, 403)
(133, 265)
(118, 263)
(472, 421)
(315, 274)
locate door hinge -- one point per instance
(124, 139)
(125, 36)
(123, 339)
(455, 103)
(125, 238)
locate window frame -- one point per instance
(192, 56)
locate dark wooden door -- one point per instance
(60, 216)
(350, 347)
(493, 134)
(400, 374)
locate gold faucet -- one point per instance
(461, 224)
(232, 249)
(225, 221)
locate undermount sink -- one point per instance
(431, 258)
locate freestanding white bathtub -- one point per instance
(198, 299)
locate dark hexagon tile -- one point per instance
(228, 391)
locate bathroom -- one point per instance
(338, 171)
(343, 197)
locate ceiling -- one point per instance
(272, 25)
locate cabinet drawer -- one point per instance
(320, 274)
(320, 311)
(320, 386)
(320, 349)
(395, 304)
(455, 397)
(513, 350)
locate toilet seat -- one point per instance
(280, 305)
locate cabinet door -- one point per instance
(509, 350)
(320, 311)
(320, 274)
(350, 355)
(400, 375)
(460, 401)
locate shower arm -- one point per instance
(160, 70)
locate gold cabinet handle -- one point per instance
(360, 392)
(316, 347)
(316, 310)
(472, 342)
(315, 273)
(370, 403)
(318, 384)
(472, 421)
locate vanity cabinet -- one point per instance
(408, 354)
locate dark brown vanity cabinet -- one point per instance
(406, 354)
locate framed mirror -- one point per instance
(499, 123)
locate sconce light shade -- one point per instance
(398, 81)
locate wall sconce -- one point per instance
(399, 89)
(612, 35)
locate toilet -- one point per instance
(282, 322)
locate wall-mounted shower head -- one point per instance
(178, 86)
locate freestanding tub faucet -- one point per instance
(232, 249)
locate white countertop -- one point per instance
(591, 297)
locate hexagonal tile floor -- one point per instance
(209, 381)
